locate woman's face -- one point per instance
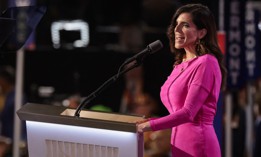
(186, 32)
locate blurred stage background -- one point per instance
(56, 69)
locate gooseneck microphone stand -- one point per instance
(99, 90)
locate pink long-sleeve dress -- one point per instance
(190, 94)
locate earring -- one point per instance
(200, 49)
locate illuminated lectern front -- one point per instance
(54, 131)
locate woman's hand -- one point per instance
(143, 125)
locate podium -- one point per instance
(54, 131)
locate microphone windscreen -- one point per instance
(155, 46)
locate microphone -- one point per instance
(151, 48)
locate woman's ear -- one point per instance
(202, 33)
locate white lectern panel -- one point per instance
(57, 140)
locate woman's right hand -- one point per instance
(143, 125)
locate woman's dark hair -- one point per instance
(203, 18)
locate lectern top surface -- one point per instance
(104, 116)
(88, 118)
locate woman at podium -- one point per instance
(191, 91)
